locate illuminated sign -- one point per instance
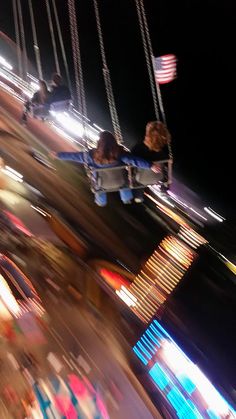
(183, 385)
(160, 276)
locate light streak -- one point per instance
(214, 215)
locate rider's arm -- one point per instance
(136, 161)
(72, 156)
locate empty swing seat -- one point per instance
(109, 179)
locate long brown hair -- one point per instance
(157, 135)
(43, 91)
(108, 150)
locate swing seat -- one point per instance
(110, 179)
(40, 112)
(146, 177)
(61, 106)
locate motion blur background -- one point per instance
(199, 104)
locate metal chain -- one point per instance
(156, 91)
(72, 32)
(79, 81)
(159, 95)
(112, 107)
(107, 78)
(61, 44)
(35, 39)
(77, 59)
(17, 33)
(147, 53)
(52, 36)
(100, 35)
(22, 32)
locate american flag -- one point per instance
(165, 68)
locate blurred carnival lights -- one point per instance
(214, 214)
(5, 63)
(7, 298)
(13, 174)
(161, 274)
(126, 296)
(181, 365)
(183, 385)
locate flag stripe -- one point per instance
(165, 68)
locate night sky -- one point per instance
(200, 104)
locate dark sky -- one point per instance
(199, 104)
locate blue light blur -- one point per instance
(175, 379)
(140, 345)
(153, 338)
(159, 376)
(184, 408)
(147, 343)
(187, 383)
(140, 356)
(160, 336)
(212, 415)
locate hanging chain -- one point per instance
(147, 53)
(149, 43)
(79, 80)
(77, 60)
(35, 39)
(22, 32)
(71, 12)
(52, 36)
(100, 35)
(61, 44)
(17, 33)
(112, 107)
(107, 79)
(156, 91)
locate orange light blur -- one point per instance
(114, 279)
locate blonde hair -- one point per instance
(156, 143)
(43, 91)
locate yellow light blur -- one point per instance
(160, 276)
(8, 298)
(231, 267)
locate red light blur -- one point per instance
(18, 223)
(114, 279)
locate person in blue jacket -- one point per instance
(107, 154)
